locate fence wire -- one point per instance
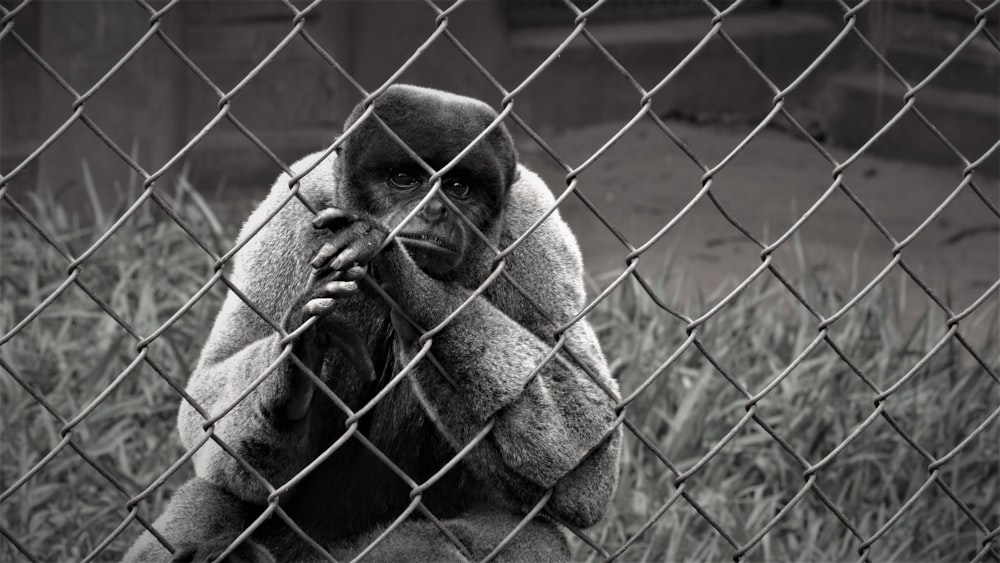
(862, 536)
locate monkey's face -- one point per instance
(379, 177)
(435, 237)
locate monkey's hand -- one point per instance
(355, 241)
(325, 331)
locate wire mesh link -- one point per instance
(684, 475)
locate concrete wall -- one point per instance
(155, 104)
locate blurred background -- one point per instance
(67, 339)
(155, 104)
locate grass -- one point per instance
(72, 352)
(149, 270)
(692, 406)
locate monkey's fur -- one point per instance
(541, 433)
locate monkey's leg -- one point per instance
(200, 522)
(480, 533)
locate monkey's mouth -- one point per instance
(435, 255)
(428, 243)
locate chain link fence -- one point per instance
(931, 478)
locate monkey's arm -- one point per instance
(242, 346)
(546, 423)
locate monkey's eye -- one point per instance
(404, 180)
(456, 188)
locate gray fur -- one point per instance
(541, 431)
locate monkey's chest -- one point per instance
(358, 487)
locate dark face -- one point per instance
(380, 178)
(436, 237)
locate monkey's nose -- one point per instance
(435, 210)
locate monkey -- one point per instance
(329, 278)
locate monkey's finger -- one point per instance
(364, 242)
(318, 307)
(350, 255)
(354, 273)
(332, 218)
(338, 289)
(357, 241)
(328, 252)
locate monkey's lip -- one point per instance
(427, 243)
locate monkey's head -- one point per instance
(376, 175)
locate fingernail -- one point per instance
(355, 272)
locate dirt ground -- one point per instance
(644, 180)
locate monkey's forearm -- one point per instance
(555, 430)
(553, 423)
(549, 413)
